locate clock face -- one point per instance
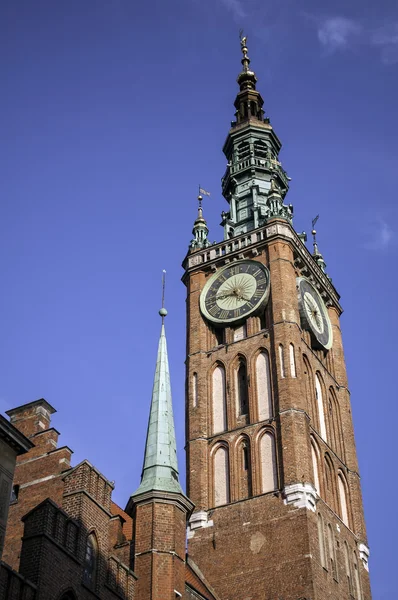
(235, 292)
(314, 315)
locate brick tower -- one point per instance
(271, 459)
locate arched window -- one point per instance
(321, 539)
(348, 569)
(195, 390)
(90, 561)
(329, 482)
(332, 555)
(242, 396)
(282, 361)
(356, 578)
(315, 463)
(342, 484)
(263, 377)
(268, 463)
(219, 400)
(292, 361)
(335, 423)
(319, 399)
(309, 391)
(244, 469)
(221, 476)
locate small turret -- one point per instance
(200, 230)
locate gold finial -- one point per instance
(243, 47)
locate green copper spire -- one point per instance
(254, 183)
(160, 471)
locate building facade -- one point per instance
(273, 507)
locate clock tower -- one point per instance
(271, 459)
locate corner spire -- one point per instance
(316, 254)
(200, 230)
(160, 470)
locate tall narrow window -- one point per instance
(90, 561)
(268, 463)
(264, 398)
(348, 569)
(314, 455)
(329, 481)
(332, 556)
(309, 392)
(343, 499)
(242, 389)
(319, 399)
(356, 578)
(219, 400)
(244, 467)
(321, 539)
(292, 361)
(282, 361)
(221, 476)
(195, 390)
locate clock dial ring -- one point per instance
(314, 314)
(235, 292)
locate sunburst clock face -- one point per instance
(235, 292)
(314, 314)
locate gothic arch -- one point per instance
(332, 551)
(335, 423)
(220, 473)
(263, 384)
(243, 464)
(267, 460)
(282, 362)
(309, 391)
(91, 557)
(321, 540)
(320, 395)
(292, 361)
(344, 503)
(347, 562)
(329, 482)
(218, 398)
(316, 464)
(239, 377)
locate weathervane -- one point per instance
(313, 229)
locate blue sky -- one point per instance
(111, 114)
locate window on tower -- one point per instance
(219, 399)
(221, 476)
(263, 384)
(268, 463)
(242, 389)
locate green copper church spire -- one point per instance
(160, 470)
